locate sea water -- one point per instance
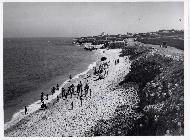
(35, 65)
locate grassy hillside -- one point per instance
(161, 91)
(171, 41)
(159, 82)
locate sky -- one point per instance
(65, 19)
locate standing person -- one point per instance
(42, 97)
(72, 106)
(86, 88)
(47, 97)
(53, 90)
(63, 92)
(72, 88)
(57, 87)
(81, 100)
(66, 93)
(57, 98)
(69, 90)
(81, 88)
(70, 77)
(90, 92)
(78, 89)
(25, 110)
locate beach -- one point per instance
(32, 66)
(60, 120)
(122, 100)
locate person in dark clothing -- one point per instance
(47, 97)
(81, 88)
(72, 106)
(57, 98)
(86, 88)
(78, 89)
(25, 110)
(81, 100)
(90, 93)
(70, 77)
(72, 89)
(53, 90)
(66, 94)
(63, 92)
(69, 90)
(57, 87)
(42, 97)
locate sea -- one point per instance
(35, 65)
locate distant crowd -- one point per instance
(79, 91)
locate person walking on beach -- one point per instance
(81, 100)
(57, 87)
(53, 90)
(57, 98)
(42, 97)
(70, 77)
(69, 90)
(66, 94)
(86, 88)
(90, 92)
(78, 89)
(25, 110)
(63, 92)
(72, 106)
(72, 90)
(81, 87)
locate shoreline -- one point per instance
(122, 99)
(35, 106)
(102, 104)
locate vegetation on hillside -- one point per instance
(159, 83)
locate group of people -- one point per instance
(101, 71)
(71, 89)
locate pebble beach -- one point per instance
(61, 120)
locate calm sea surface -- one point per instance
(33, 65)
